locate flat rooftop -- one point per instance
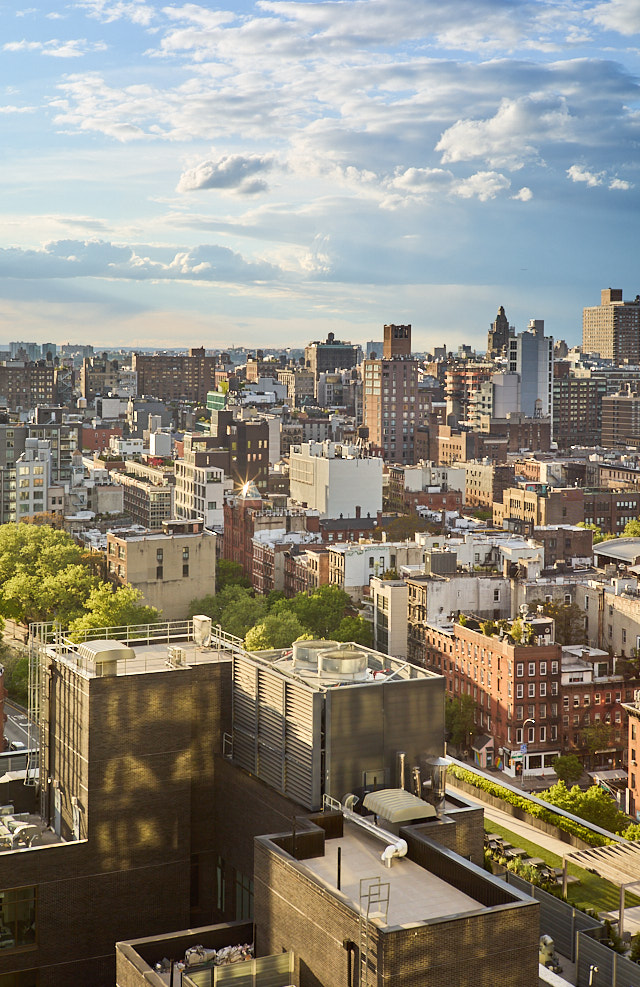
(415, 895)
(152, 657)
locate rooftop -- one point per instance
(415, 894)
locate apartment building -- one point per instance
(577, 408)
(98, 375)
(332, 354)
(537, 505)
(175, 377)
(201, 484)
(485, 483)
(148, 493)
(23, 385)
(33, 479)
(393, 405)
(514, 678)
(612, 329)
(352, 566)
(335, 479)
(300, 384)
(171, 567)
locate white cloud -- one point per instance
(523, 195)
(620, 183)
(484, 185)
(100, 259)
(579, 174)
(622, 16)
(234, 172)
(108, 12)
(5, 110)
(512, 136)
(57, 49)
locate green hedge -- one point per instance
(532, 808)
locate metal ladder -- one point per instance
(374, 903)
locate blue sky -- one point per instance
(247, 173)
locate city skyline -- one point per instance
(262, 173)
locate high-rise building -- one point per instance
(531, 356)
(499, 334)
(334, 354)
(393, 404)
(612, 328)
(175, 377)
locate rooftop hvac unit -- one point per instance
(202, 630)
(177, 656)
(101, 657)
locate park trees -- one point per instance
(108, 606)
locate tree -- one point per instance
(569, 620)
(57, 596)
(597, 737)
(320, 612)
(594, 805)
(275, 631)
(107, 606)
(35, 550)
(568, 768)
(632, 529)
(459, 719)
(598, 534)
(230, 573)
(354, 629)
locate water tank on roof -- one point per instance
(344, 663)
(305, 653)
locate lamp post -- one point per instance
(528, 720)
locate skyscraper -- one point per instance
(393, 406)
(612, 328)
(498, 335)
(531, 356)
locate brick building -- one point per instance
(621, 420)
(536, 505)
(612, 328)
(516, 687)
(577, 408)
(486, 482)
(393, 404)
(176, 377)
(25, 385)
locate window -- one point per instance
(185, 554)
(532, 734)
(17, 918)
(554, 667)
(519, 735)
(543, 734)
(185, 569)
(554, 688)
(520, 669)
(554, 732)
(244, 897)
(159, 555)
(496, 596)
(532, 690)
(532, 668)
(543, 668)
(159, 572)
(543, 688)
(519, 691)
(543, 712)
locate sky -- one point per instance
(262, 173)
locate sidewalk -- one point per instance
(515, 825)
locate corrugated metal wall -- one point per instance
(277, 731)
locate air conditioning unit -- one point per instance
(202, 630)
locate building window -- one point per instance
(185, 569)
(159, 572)
(17, 918)
(543, 688)
(543, 668)
(244, 897)
(543, 734)
(554, 667)
(532, 690)
(185, 554)
(532, 668)
(159, 555)
(519, 691)
(520, 669)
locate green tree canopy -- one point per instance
(594, 805)
(354, 629)
(597, 737)
(230, 573)
(37, 550)
(569, 620)
(275, 631)
(568, 768)
(632, 529)
(107, 606)
(459, 719)
(55, 596)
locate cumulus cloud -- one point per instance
(622, 16)
(101, 259)
(523, 195)
(511, 137)
(74, 48)
(231, 172)
(107, 11)
(483, 185)
(620, 183)
(8, 109)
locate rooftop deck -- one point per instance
(415, 895)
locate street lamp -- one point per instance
(528, 720)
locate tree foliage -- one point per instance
(230, 573)
(632, 529)
(459, 719)
(568, 768)
(108, 606)
(275, 631)
(594, 805)
(597, 737)
(569, 620)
